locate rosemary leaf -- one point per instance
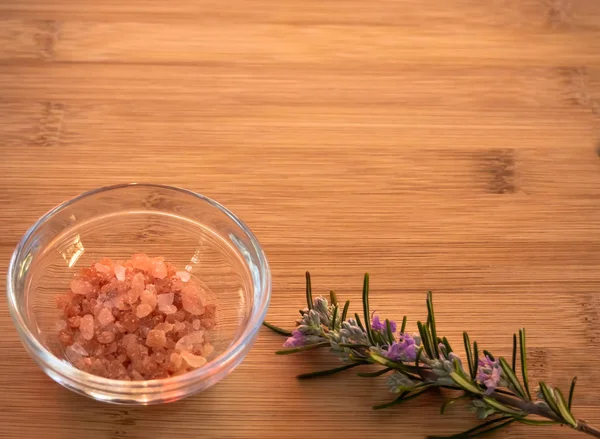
(564, 409)
(512, 378)
(419, 353)
(481, 428)
(345, 311)
(447, 344)
(302, 348)
(365, 299)
(334, 317)
(489, 354)
(432, 328)
(469, 354)
(535, 422)
(309, 299)
(502, 408)
(475, 359)
(389, 333)
(524, 361)
(403, 326)
(374, 374)
(354, 345)
(425, 339)
(572, 391)
(549, 398)
(277, 329)
(465, 384)
(448, 403)
(333, 297)
(358, 321)
(323, 373)
(402, 398)
(514, 354)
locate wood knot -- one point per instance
(50, 125)
(499, 168)
(46, 37)
(559, 13)
(575, 81)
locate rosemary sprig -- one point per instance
(417, 363)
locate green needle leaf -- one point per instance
(503, 408)
(419, 353)
(447, 344)
(323, 373)
(489, 354)
(402, 398)
(345, 311)
(535, 422)
(359, 321)
(572, 391)
(403, 326)
(333, 297)
(374, 374)
(549, 398)
(424, 333)
(389, 333)
(431, 318)
(354, 345)
(479, 429)
(514, 353)
(475, 359)
(469, 353)
(309, 299)
(524, 361)
(365, 299)
(464, 384)
(384, 361)
(302, 348)
(510, 375)
(334, 317)
(564, 409)
(277, 329)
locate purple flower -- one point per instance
(296, 340)
(488, 374)
(403, 350)
(378, 325)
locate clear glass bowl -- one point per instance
(189, 230)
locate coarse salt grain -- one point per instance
(120, 272)
(184, 276)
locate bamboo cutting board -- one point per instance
(438, 145)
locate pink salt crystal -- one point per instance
(106, 337)
(193, 360)
(138, 282)
(207, 349)
(132, 296)
(60, 325)
(165, 303)
(184, 276)
(191, 300)
(190, 342)
(105, 317)
(141, 262)
(196, 324)
(79, 286)
(166, 327)
(135, 375)
(120, 272)
(143, 310)
(159, 269)
(87, 326)
(176, 360)
(74, 321)
(101, 268)
(156, 339)
(149, 298)
(121, 303)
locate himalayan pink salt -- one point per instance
(79, 286)
(156, 339)
(184, 276)
(192, 300)
(87, 326)
(140, 319)
(105, 317)
(120, 272)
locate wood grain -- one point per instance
(450, 146)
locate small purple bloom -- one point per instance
(296, 340)
(403, 350)
(378, 325)
(488, 374)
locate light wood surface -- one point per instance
(443, 145)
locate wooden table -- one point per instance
(443, 145)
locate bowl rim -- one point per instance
(64, 368)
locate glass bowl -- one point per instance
(189, 230)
